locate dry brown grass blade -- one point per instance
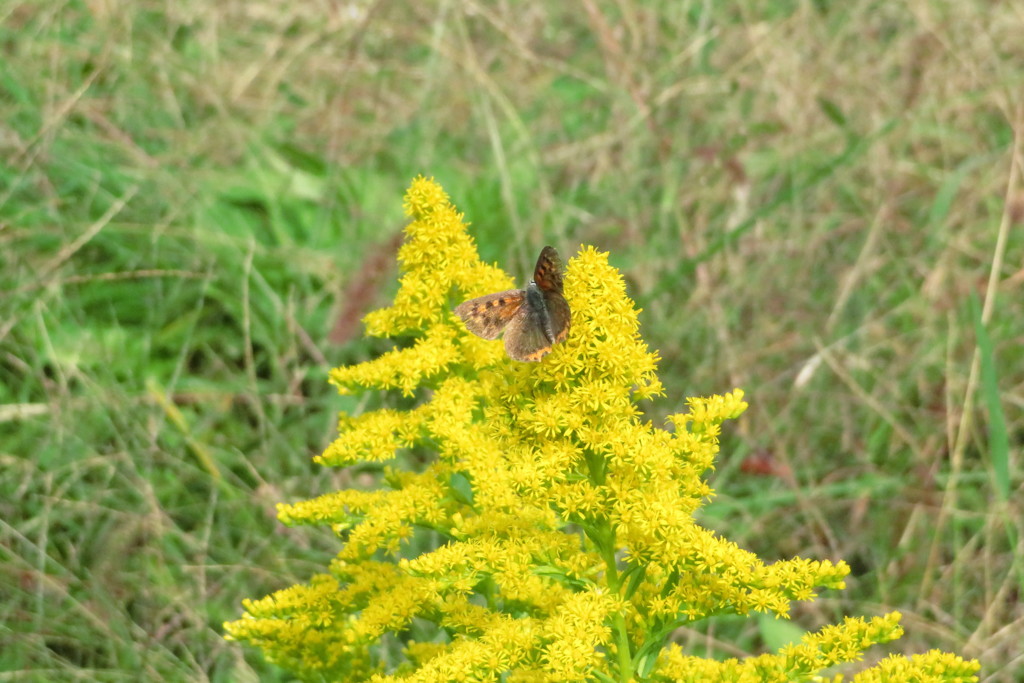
(361, 290)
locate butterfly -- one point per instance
(534, 319)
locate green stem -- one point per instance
(603, 536)
(607, 549)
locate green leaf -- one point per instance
(461, 487)
(778, 633)
(832, 111)
(998, 438)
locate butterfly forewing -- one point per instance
(548, 271)
(487, 316)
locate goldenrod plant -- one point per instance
(551, 534)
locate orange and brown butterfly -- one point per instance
(533, 319)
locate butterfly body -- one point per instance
(533, 319)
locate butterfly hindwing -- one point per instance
(486, 316)
(525, 338)
(559, 315)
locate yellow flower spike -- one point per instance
(540, 530)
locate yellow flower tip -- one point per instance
(424, 197)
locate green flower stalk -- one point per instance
(552, 535)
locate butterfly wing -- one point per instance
(547, 275)
(525, 338)
(548, 271)
(487, 316)
(559, 316)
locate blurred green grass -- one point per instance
(804, 197)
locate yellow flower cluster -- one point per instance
(550, 536)
(816, 651)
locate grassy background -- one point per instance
(815, 201)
